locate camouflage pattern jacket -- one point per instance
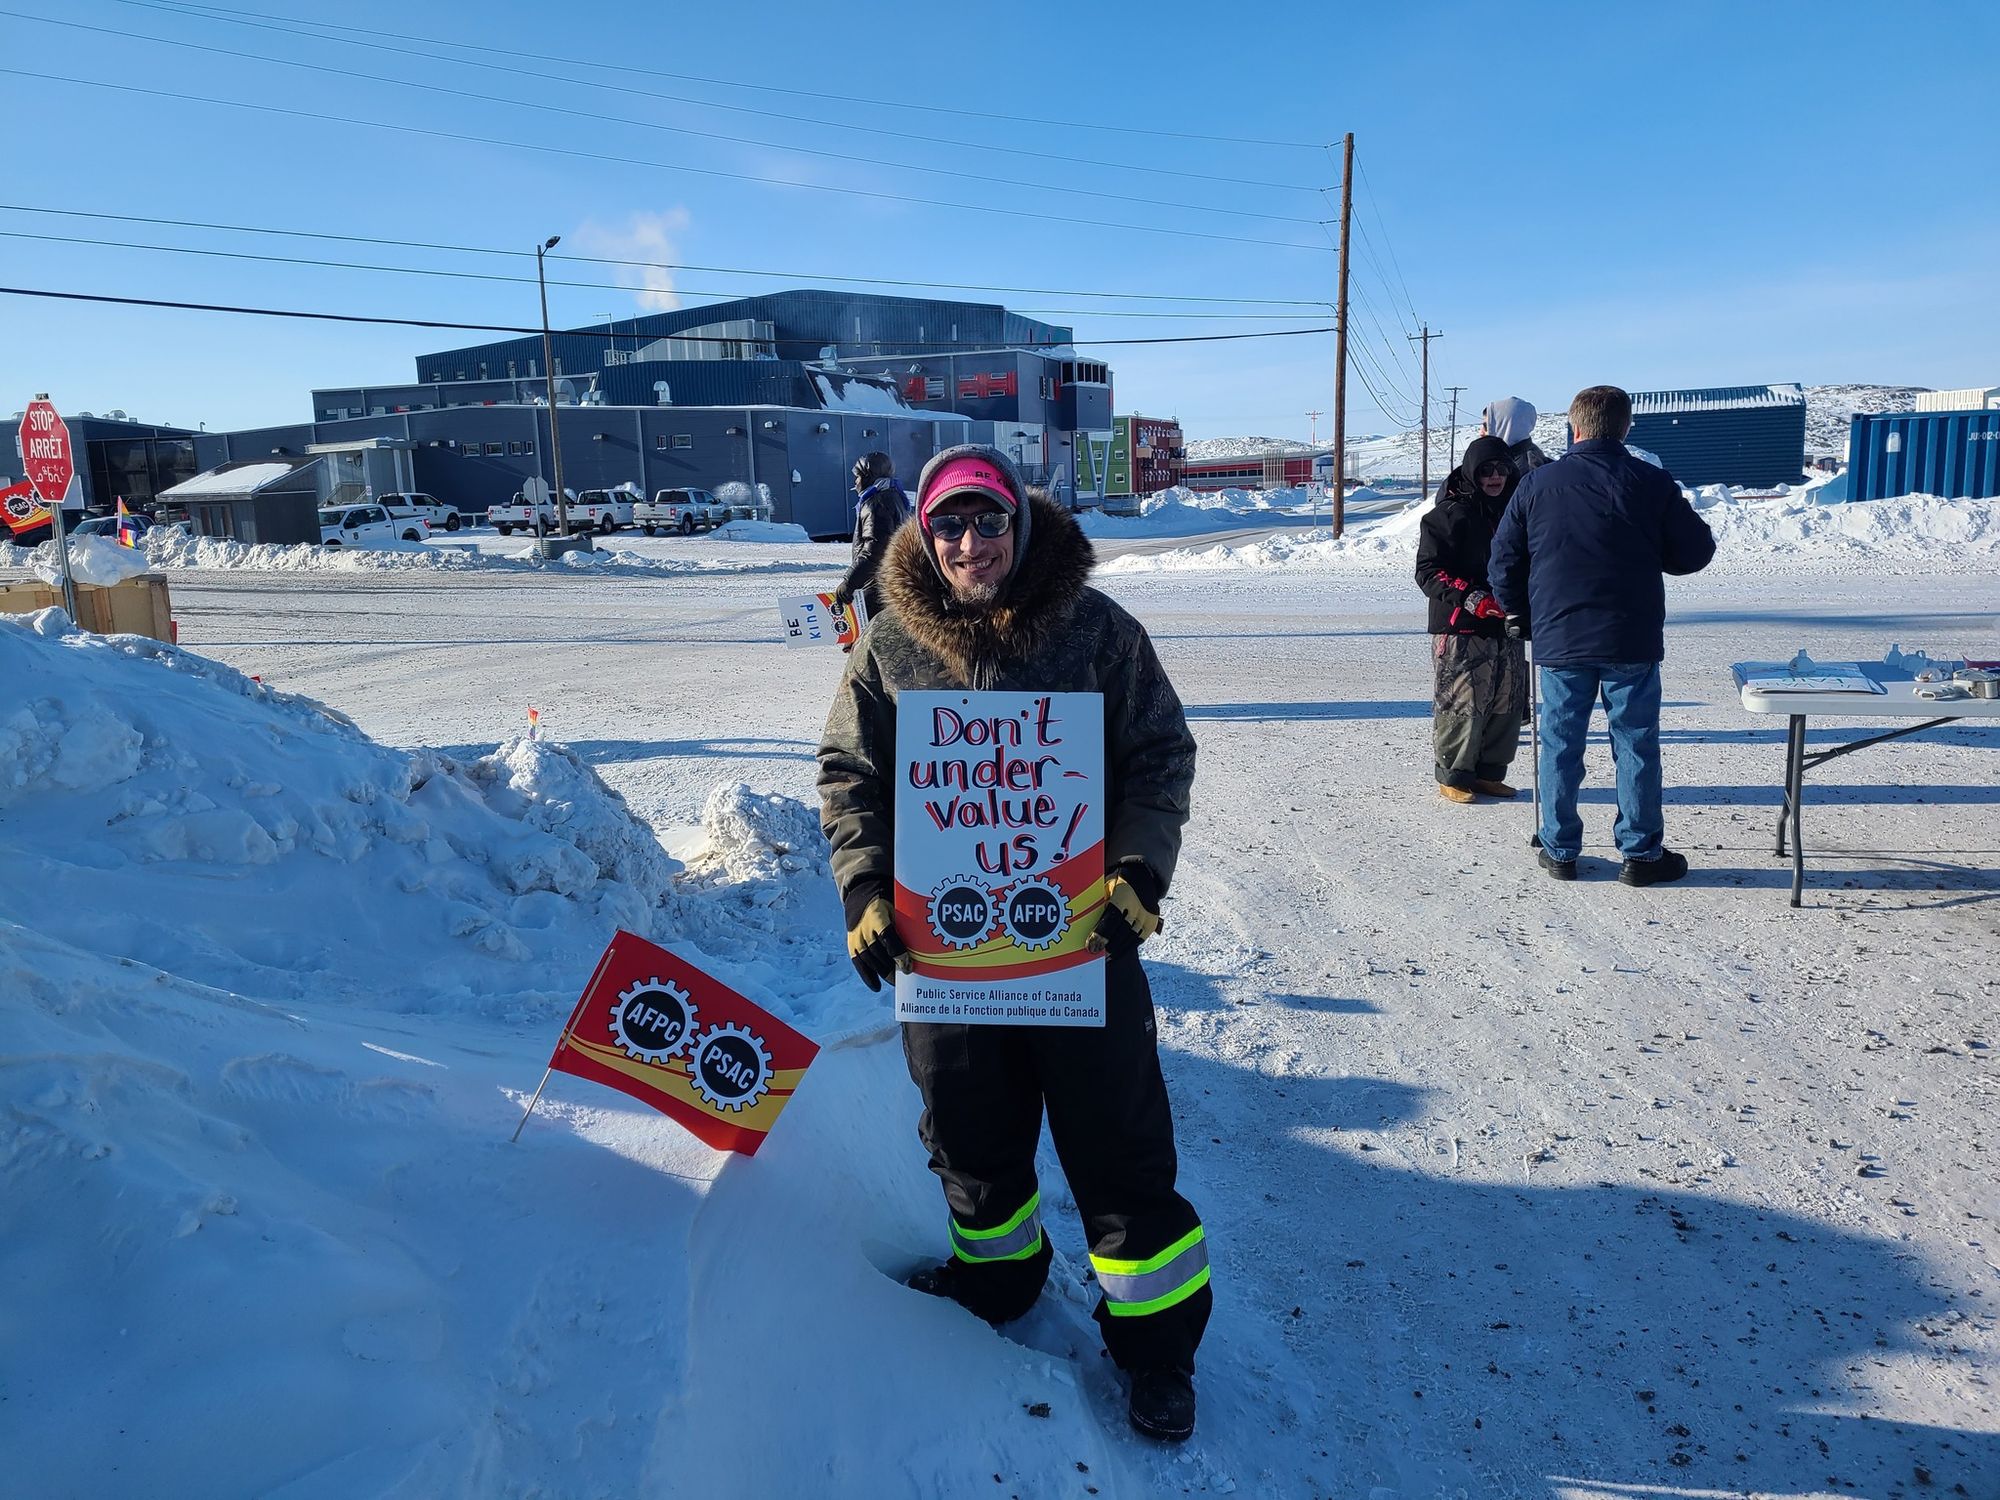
(1051, 633)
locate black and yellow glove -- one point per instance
(871, 937)
(1131, 909)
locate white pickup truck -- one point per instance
(518, 514)
(407, 505)
(690, 510)
(685, 511)
(604, 510)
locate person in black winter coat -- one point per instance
(1480, 678)
(880, 509)
(1580, 554)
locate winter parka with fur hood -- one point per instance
(1050, 632)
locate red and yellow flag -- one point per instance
(652, 1025)
(22, 509)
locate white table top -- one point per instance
(1897, 700)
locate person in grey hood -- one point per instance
(989, 590)
(1512, 420)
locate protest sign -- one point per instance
(1000, 856)
(654, 1026)
(815, 620)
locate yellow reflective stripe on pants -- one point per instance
(1017, 1239)
(1134, 1288)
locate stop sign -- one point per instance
(45, 451)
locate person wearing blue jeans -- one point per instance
(1577, 562)
(1631, 695)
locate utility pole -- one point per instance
(1424, 416)
(1315, 429)
(1451, 451)
(1340, 344)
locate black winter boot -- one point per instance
(1162, 1404)
(998, 1294)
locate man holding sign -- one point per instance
(1042, 764)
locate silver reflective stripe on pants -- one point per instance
(1133, 1288)
(1017, 1239)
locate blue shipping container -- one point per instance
(1953, 454)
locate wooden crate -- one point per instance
(138, 606)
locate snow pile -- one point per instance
(258, 841)
(92, 559)
(276, 996)
(172, 547)
(1909, 534)
(1912, 534)
(1373, 544)
(760, 531)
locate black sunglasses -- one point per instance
(990, 523)
(1493, 470)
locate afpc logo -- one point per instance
(653, 1020)
(1034, 914)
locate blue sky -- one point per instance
(1673, 194)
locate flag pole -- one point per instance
(568, 1026)
(516, 1136)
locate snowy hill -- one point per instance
(1828, 408)
(1244, 447)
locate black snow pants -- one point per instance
(985, 1088)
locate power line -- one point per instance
(321, 117)
(1376, 207)
(654, 265)
(326, 317)
(595, 286)
(599, 118)
(542, 75)
(212, 13)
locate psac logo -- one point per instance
(654, 1022)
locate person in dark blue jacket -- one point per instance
(1579, 556)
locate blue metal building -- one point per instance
(1750, 435)
(1953, 454)
(783, 392)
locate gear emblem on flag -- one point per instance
(1034, 914)
(731, 1067)
(961, 911)
(653, 1020)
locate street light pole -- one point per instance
(549, 374)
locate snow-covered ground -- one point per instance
(1515, 1188)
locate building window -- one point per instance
(493, 448)
(510, 369)
(528, 446)
(659, 440)
(683, 440)
(514, 446)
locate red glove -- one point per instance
(1481, 606)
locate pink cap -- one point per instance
(969, 474)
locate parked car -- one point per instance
(407, 504)
(518, 513)
(107, 526)
(685, 511)
(366, 525)
(604, 510)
